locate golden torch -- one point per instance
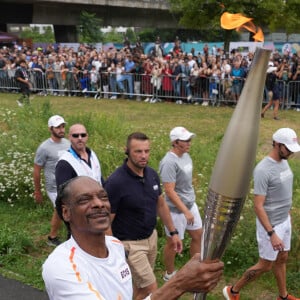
(233, 168)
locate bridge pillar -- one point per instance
(3, 27)
(65, 34)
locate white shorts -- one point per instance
(180, 222)
(265, 249)
(52, 196)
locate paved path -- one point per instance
(11, 289)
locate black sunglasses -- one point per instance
(76, 135)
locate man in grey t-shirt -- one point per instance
(176, 171)
(273, 189)
(46, 158)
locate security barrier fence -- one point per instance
(212, 90)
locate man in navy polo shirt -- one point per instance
(136, 199)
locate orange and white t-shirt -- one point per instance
(70, 273)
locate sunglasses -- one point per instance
(76, 135)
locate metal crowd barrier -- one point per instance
(142, 87)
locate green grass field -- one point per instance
(25, 225)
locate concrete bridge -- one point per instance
(64, 14)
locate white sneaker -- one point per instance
(19, 103)
(180, 102)
(205, 103)
(298, 109)
(113, 97)
(84, 90)
(147, 100)
(189, 97)
(167, 276)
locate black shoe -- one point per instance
(53, 241)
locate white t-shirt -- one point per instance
(70, 273)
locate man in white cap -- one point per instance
(176, 171)
(273, 189)
(46, 158)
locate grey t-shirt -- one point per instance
(274, 180)
(178, 170)
(47, 156)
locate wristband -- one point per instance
(173, 232)
(270, 233)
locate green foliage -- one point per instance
(15, 161)
(34, 34)
(130, 34)
(25, 225)
(113, 37)
(90, 28)
(147, 35)
(267, 14)
(13, 242)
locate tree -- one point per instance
(130, 35)
(33, 33)
(90, 28)
(289, 19)
(113, 37)
(267, 14)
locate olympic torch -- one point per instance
(229, 183)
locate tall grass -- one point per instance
(25, 225)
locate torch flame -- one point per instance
(238, 21)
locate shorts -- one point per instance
(236, 88)
(265, 249)
(180, 222)
(52, 196)
(141, 259)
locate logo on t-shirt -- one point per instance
(124, 273)
(155, 187)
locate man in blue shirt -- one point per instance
(136, 199)
(129, 67)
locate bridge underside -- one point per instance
(65, 17)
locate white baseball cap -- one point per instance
(288, 137)
(180, 133)
(55, 121)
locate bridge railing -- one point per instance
(211, 90)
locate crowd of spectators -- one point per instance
(206, 77)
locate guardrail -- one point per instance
(142, 87)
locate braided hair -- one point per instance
(63, 198)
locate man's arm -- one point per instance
(37, 183)
(169, 188)
(63, 172)
(194, 276)
(261, 214)
(164, 214)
